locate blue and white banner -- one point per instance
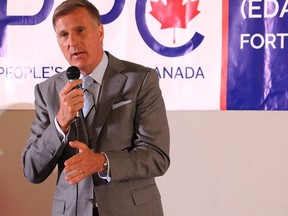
(180, 39)
(257, 73)
(209, 55)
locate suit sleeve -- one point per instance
(43, 146)
(149, 154)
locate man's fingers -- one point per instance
(73, 162)
(76, 176)
(71, 85)
(78, 145)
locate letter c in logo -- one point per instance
(192, 44)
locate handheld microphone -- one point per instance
(73, 73)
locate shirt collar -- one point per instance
(98, 73)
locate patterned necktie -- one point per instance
(88, 95)
(91, 89)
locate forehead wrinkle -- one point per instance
(71, 29)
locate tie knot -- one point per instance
(87, 81)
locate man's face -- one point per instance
(80, 39)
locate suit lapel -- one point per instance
(111, 89)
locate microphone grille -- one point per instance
(73, 72)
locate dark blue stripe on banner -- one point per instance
(257, 76)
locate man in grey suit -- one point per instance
(106, 163)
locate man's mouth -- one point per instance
(77, 53)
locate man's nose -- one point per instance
(73, 40)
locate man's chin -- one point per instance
(83, 68)
(77, 64)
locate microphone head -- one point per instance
(73, 73)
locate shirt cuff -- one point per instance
(63, 135)
(105, 176)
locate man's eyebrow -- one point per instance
(61, 32)
(79, 26)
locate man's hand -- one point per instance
(83, 164)
(71, 101)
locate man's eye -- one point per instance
(62, 35)
(80, 30)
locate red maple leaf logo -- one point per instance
(175, 14)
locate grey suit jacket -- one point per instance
(130, 127)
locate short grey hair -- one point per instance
(69, 5)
